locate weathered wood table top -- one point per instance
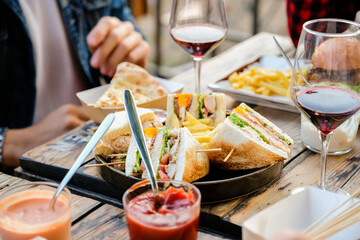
(303, 167)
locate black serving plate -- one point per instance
(218, 185)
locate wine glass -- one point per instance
(198, 26)
(326, 78)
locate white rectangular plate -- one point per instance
(278, 102)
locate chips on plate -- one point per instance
(262, 81)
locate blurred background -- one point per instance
(245, 18)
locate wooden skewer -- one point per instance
(209, 150)
(339, 218)
(342, 220)
(104, 164)
(117, 155)
(338, 228)
(228, 156)
(308, 229)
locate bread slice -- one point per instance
(130, 158)
(120, 125)
(194, 108)
(190, 165)
(130, 76)
(172, 121)
(220, 110)
(250, 151)
(117, 138)
(116, 145)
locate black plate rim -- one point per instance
(98, 158)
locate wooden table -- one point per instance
(301, 169)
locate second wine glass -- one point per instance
(326, 78)
(198, 26)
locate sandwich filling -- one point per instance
(168, 154)
(139, 165)
(182, 104)
(207, 105)
(117, 151)
(247, 118)
(266, 126)
(242, 124)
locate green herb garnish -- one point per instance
(284, 139)
(137, 162)
(201, 103)
(236, 120)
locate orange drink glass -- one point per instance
(176, 218)
(25, 212)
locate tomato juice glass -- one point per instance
(177, 218)
(25, 212)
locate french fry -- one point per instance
(262, 81)
(204, 133)
(199, 128)
(205, 121)
(205, 145)
(192, 120)
(203, 139)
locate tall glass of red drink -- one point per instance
(176, 218)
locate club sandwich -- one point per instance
(254, 141)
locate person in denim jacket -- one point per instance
(49, 50)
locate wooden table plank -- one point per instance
(7, 181)
(63, 150)
(109, 222)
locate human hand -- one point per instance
(112, 41)
(58, 122)
(289, 235)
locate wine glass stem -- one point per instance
(325, 140)
(197, 66)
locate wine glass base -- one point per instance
(326, 188)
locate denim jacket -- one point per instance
(17, 62)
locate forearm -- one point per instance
(16, 142)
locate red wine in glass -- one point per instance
(328, 106)
(198, 39)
